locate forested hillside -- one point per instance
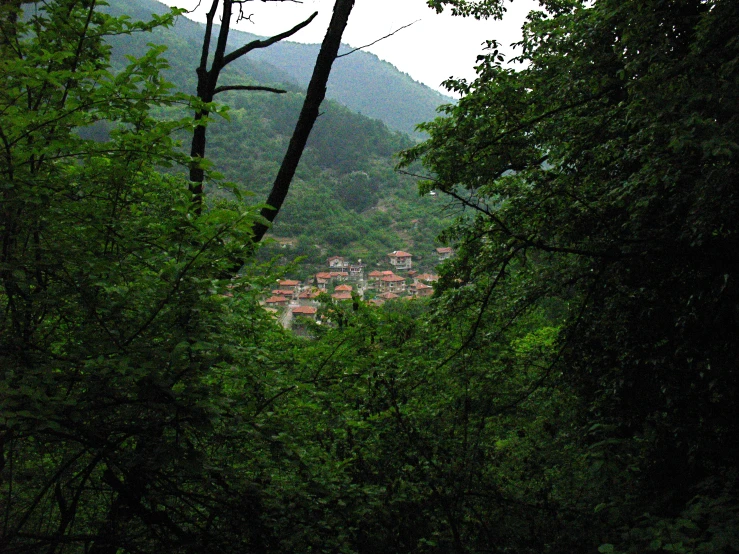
(570, 387)
(361, 81)
(347, 198)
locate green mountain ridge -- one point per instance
(346, 198)
(362, 81)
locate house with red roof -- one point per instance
(427, 277)
(283, 292)
(400, 260)
(308, 297)
(277, 301)
(392, 283)
(307, 311)
(421, 290)
(444, 253)
(289, 284)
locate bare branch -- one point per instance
(206, 40)
(379, 39)
(236, 54)
(308, 114)
(197, 6)
(248, 87)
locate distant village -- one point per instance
(344, 280)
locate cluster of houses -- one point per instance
(344, 280)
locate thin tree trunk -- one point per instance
(308, 114)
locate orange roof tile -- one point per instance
(304, 310)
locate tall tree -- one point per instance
(136, 387)
(208, 88)
(603, 174)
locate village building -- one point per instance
(277, 301)
(343, 288)
(342, 296)
(444, 253)
(308, 297)
(427, 277)
(325, 278)
(356, 271)
(337, 262)
(420, 290)
(289, 284)
(388, 296)
(283, 292)
(299, 315)
(400, 260)
(322, 280)
(306, 311)
(392, 283)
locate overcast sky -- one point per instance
(431, 50)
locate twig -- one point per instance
(378, 40)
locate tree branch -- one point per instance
(308, 114)
(378, 40)
(236, 54)
(248, 87)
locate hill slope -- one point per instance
(346, 199)
(362, 81)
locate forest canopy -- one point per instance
(571, 387)
(602, 178)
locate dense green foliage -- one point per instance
(114, 421)
(604, 175)
(570, 388)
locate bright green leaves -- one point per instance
(116, 331)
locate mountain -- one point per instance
(346, 199)
(361, 81)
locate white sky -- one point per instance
(436, 47)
